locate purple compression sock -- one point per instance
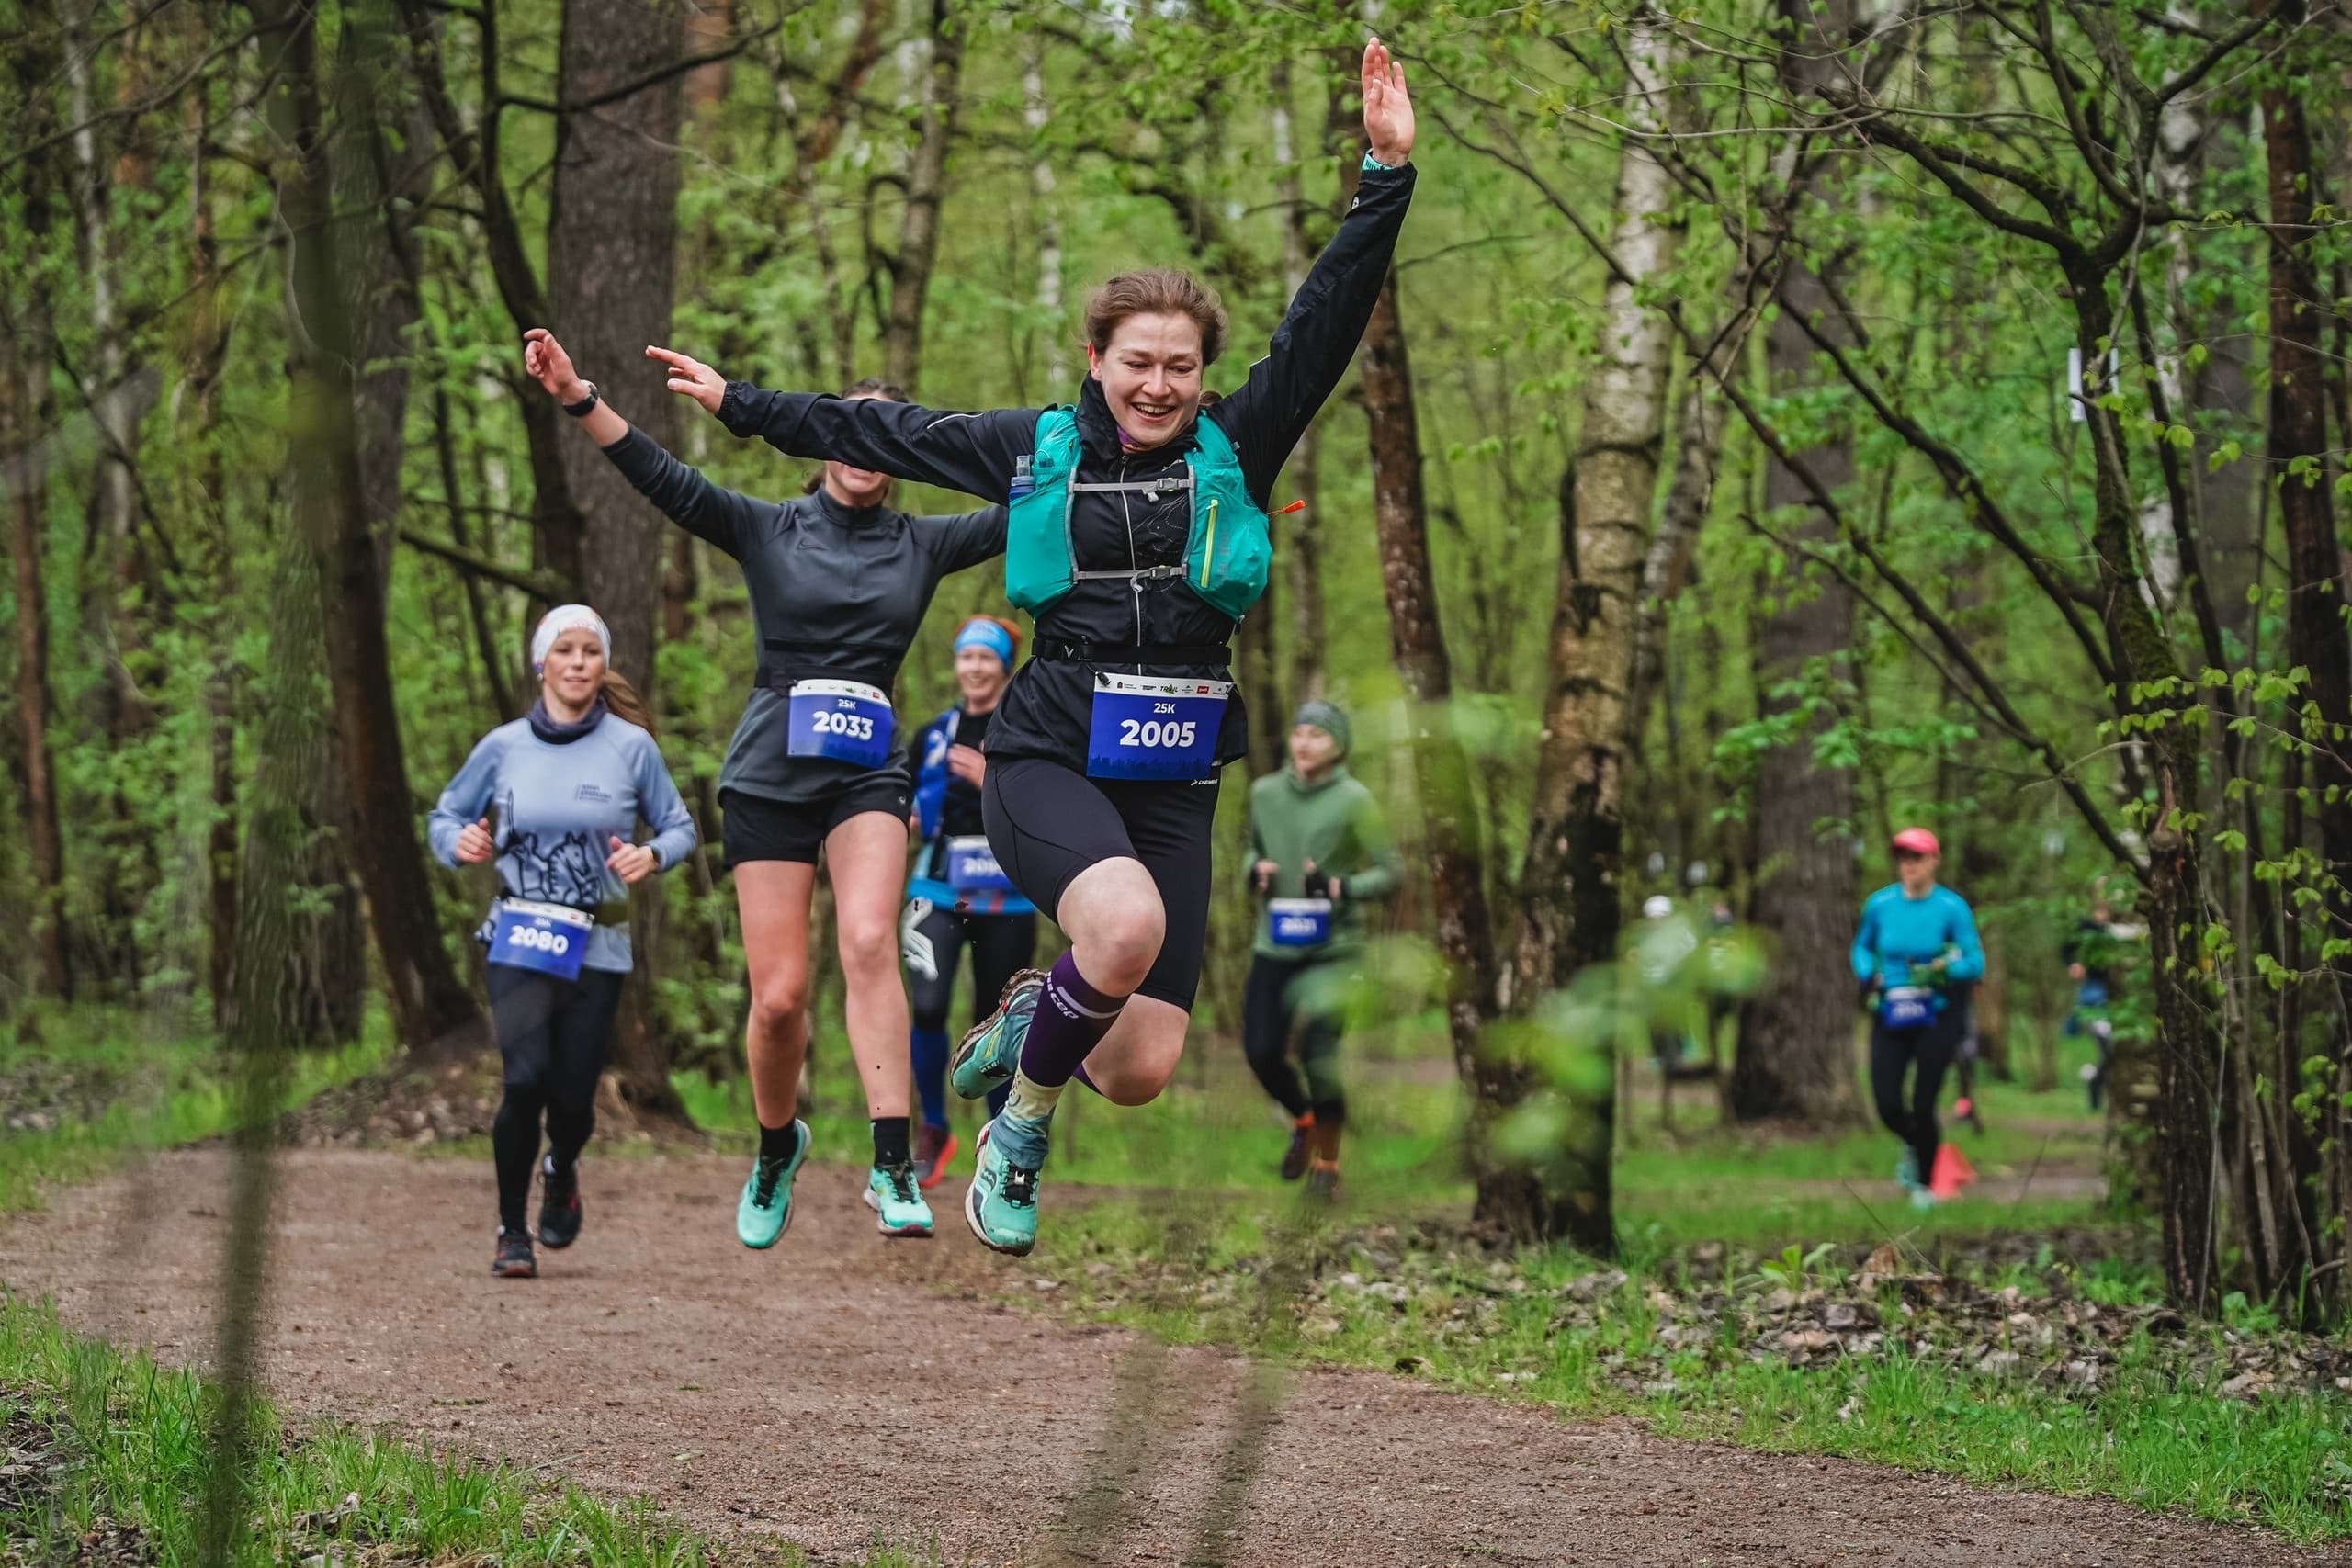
(1071, 1019)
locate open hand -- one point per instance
(631, 863)
(545, 362)
(474, 843)
(689, 378)
(1388, 109)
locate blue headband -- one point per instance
(981, 632)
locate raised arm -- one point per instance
(1309, 352)
(711, 513)
(965, 540)
(969, 452)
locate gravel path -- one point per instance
(843, 1391)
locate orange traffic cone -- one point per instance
(1952, 1172)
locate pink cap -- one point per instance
(1917, 841)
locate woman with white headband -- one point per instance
(555, 798)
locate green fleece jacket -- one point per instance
(1335, 823)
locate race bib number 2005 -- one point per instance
(1152, 726)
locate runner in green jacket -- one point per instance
(1318, 850)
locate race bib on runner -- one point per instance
(1905, 1007)
(1152, 726)
(972, 868)
(550, 938)
(846, 721)
(1298, 922)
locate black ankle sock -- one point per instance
(780, 1144)
(890, 1142)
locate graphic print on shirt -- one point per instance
(567, 870)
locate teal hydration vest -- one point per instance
(1226, 559)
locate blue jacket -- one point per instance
(1900, 933)
(932, 780)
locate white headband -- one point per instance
(564, 618)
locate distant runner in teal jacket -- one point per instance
(1319, 851)
(1916, 939)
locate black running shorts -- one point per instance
(753, 827)
(1048, 823)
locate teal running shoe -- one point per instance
(991, 1052)
(1906, 1169)
(1923, 1199)
(1001, 1203)
(764, 1211)
(897, 1205)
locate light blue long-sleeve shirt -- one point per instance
(1900, 933)
(559, 805)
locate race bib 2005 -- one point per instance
(1152, 726)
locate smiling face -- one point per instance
(1150, 373)
(574, 671)
(854, 486)
(980, 676)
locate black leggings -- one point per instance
(1292, 995)
(1001, 945)
(553, 1037)
(1046, 823)
(1894, 1053)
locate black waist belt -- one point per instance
(1217, 653)
(871, 663)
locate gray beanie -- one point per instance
(1329, 719)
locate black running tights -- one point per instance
(553, 1038)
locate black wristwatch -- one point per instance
(579, 409)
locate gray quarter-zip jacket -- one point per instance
(837, 592)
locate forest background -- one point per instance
(1783, 422)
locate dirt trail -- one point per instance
(841, 1391)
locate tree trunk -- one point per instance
(1511, 1197)
(612, 247)
(432, 1010)
(1796, 1058)
(2296, 460)
(24, 375)
(1568, 888)
(925, 188)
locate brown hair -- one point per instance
(1157, 291)
(871, 387)
(622, 699)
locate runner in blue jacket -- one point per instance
(957, 894)
(1916, 939)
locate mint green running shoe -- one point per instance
(764, 1211)
(1906, 1169)
(1001, 1203)
(991, 1052)
(896, 1202)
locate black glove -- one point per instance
(1321, 883)
(1867, 994)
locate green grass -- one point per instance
(2156, 1433)
(158, 1092)
(1214, 1130)
(133, 1438)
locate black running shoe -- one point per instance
(514, 1259)
(558, 1205)
(1293, 1164)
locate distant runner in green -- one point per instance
(1318, 852)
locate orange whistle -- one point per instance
(1293, 506)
